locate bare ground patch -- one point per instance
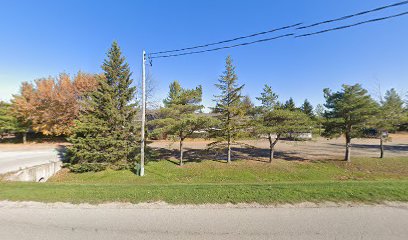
(258, 150)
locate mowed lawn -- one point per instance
(369, 180)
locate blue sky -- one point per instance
(44, 38)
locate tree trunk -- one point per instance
(381, 147)
(229, 150)
(24, 138)
(181, 152)
(272, 146)
(320, 129)
(348, 149)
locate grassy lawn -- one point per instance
(364, 180)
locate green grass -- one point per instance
(165, 172)
(365, 180)
(363, 191)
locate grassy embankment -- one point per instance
(365, 180)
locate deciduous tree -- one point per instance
(50, 105)
(319, 117)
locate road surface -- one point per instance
(16, 159)
(59, 221)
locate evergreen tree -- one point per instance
(392, 108)
(106, 131)
(307, 109)
(282, 121)
(268, 99)
(348, 112)
(180, 115)
(274, 121)
(390, 117)
(174, 94)
(290, 105)
(228, 105)
(8, 123)
(248, 106)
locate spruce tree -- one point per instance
(106, 131)
(307, 109)
(290, 105)
(228, 105)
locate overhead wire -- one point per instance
(351, 25)
(229, 40)
(219, 48)
(153, 55)
(354, 15)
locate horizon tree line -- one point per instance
(98, 114)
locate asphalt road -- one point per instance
(14, 160)
(72, 222)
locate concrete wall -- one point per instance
(39, 173)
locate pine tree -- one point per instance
(180, 116)
(348, 112)
(106, 131)
(390, 117)
(274, 121)
(228, 104)
(279, 122)
(307, 109)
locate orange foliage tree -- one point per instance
(50, 105)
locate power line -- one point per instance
(352, 25)
(219, 48)
(278, 29)
(282, 36)
(354, 15)
(229, 40)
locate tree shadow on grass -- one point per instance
(398, 148)
(190, 155)
(262, 154)
(247, 153)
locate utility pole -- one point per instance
(142, 147)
